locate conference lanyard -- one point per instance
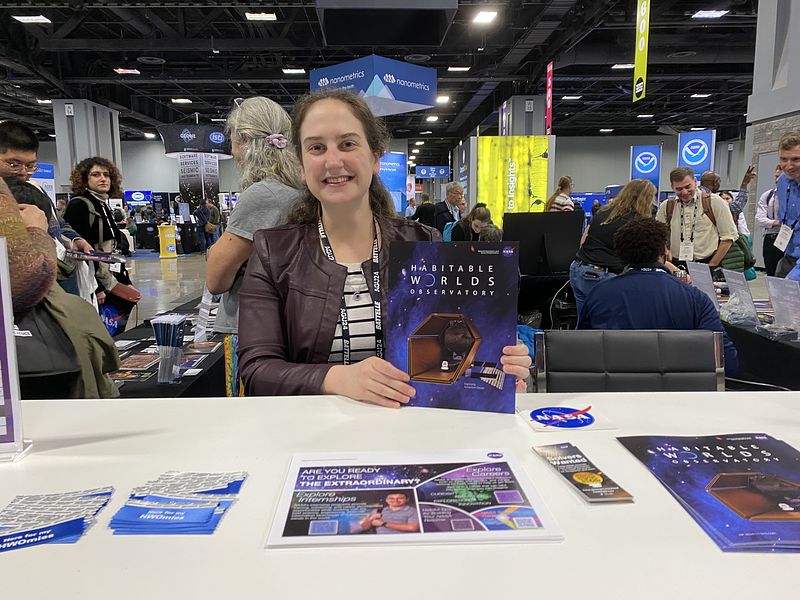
(374, 292)
(788, 205)
(694, 222)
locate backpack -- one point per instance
(740, 253)
(447, 234)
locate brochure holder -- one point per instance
(12, 445)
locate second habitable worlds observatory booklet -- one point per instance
(451, 309)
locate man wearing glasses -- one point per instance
(18, 148)
(448, 210)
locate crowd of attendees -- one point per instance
(305, 249)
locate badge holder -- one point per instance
(12, 445)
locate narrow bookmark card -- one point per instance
(590, 481)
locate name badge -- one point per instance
(115, 267)
(687, 251)
(784, 235)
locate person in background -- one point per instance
(711, 181)
(327, 262)
(646, 296)
(491, 233)
(411, 208)
(425, 212)
(448, 211)
(596, 206)
(560, 200)
(212, 225)
(596, 259)
(201, 215)
(767, 218)
(270, 177)
(470, 227)
(462, 207)
(18, 152)
(788, 202)
(741, 224)
(94, 180)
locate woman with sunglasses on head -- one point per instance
(328, 262)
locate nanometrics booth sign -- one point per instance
(696, 150)
(433, 172)
(646, 163)
(208, 139)
(390, 87)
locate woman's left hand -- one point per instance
(517, 362)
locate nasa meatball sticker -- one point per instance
(558, 418)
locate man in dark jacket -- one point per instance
(448, 211)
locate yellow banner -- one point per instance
(512, 174)
(642, 36)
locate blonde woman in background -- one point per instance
(259, 130)
(560, 200)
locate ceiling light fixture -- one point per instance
(485, 16)
(293, 71)
(710, 14)
(44, 101)
(31, 18)
(425, 132)
(458, 69)
(431, 118)
(261, 16)
(623, 66)
(418, 143)
(606, 130)
(149, 136)
(181, 101)
(571, 97)
(700, 95)
(124, 71)
(415, 151)
(52, 135)
(442, 99)
(645, 116)
(698, 129)
(217, 120)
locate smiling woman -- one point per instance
(312, 297)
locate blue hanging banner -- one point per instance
(646, 163)
(433, 172)
(390, 87)
(393, 175)
(696, 150)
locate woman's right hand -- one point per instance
(32, 216)
(371, 380)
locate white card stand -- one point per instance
(12, 445)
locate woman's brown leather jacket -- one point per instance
(289, 304)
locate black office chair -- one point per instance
(629, 361)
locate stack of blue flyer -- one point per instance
(50, 518)
(178, 503)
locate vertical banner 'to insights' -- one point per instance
(642, 35)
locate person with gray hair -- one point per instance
(448, 211)
(270, 177)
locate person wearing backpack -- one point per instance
(701, 225)
(447, 210)
(469, 228)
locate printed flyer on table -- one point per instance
(378, 498)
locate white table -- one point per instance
(650, 549)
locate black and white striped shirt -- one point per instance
(360, 316)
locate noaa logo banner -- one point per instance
(433, 172)
(390, 87)
(646, 163)
(696, 150)
(209, 139)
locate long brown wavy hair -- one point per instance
(563, 185)
(80, 176)
(306, 208)
(636, 198)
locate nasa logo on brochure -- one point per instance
(495, 455)
(563, 417)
